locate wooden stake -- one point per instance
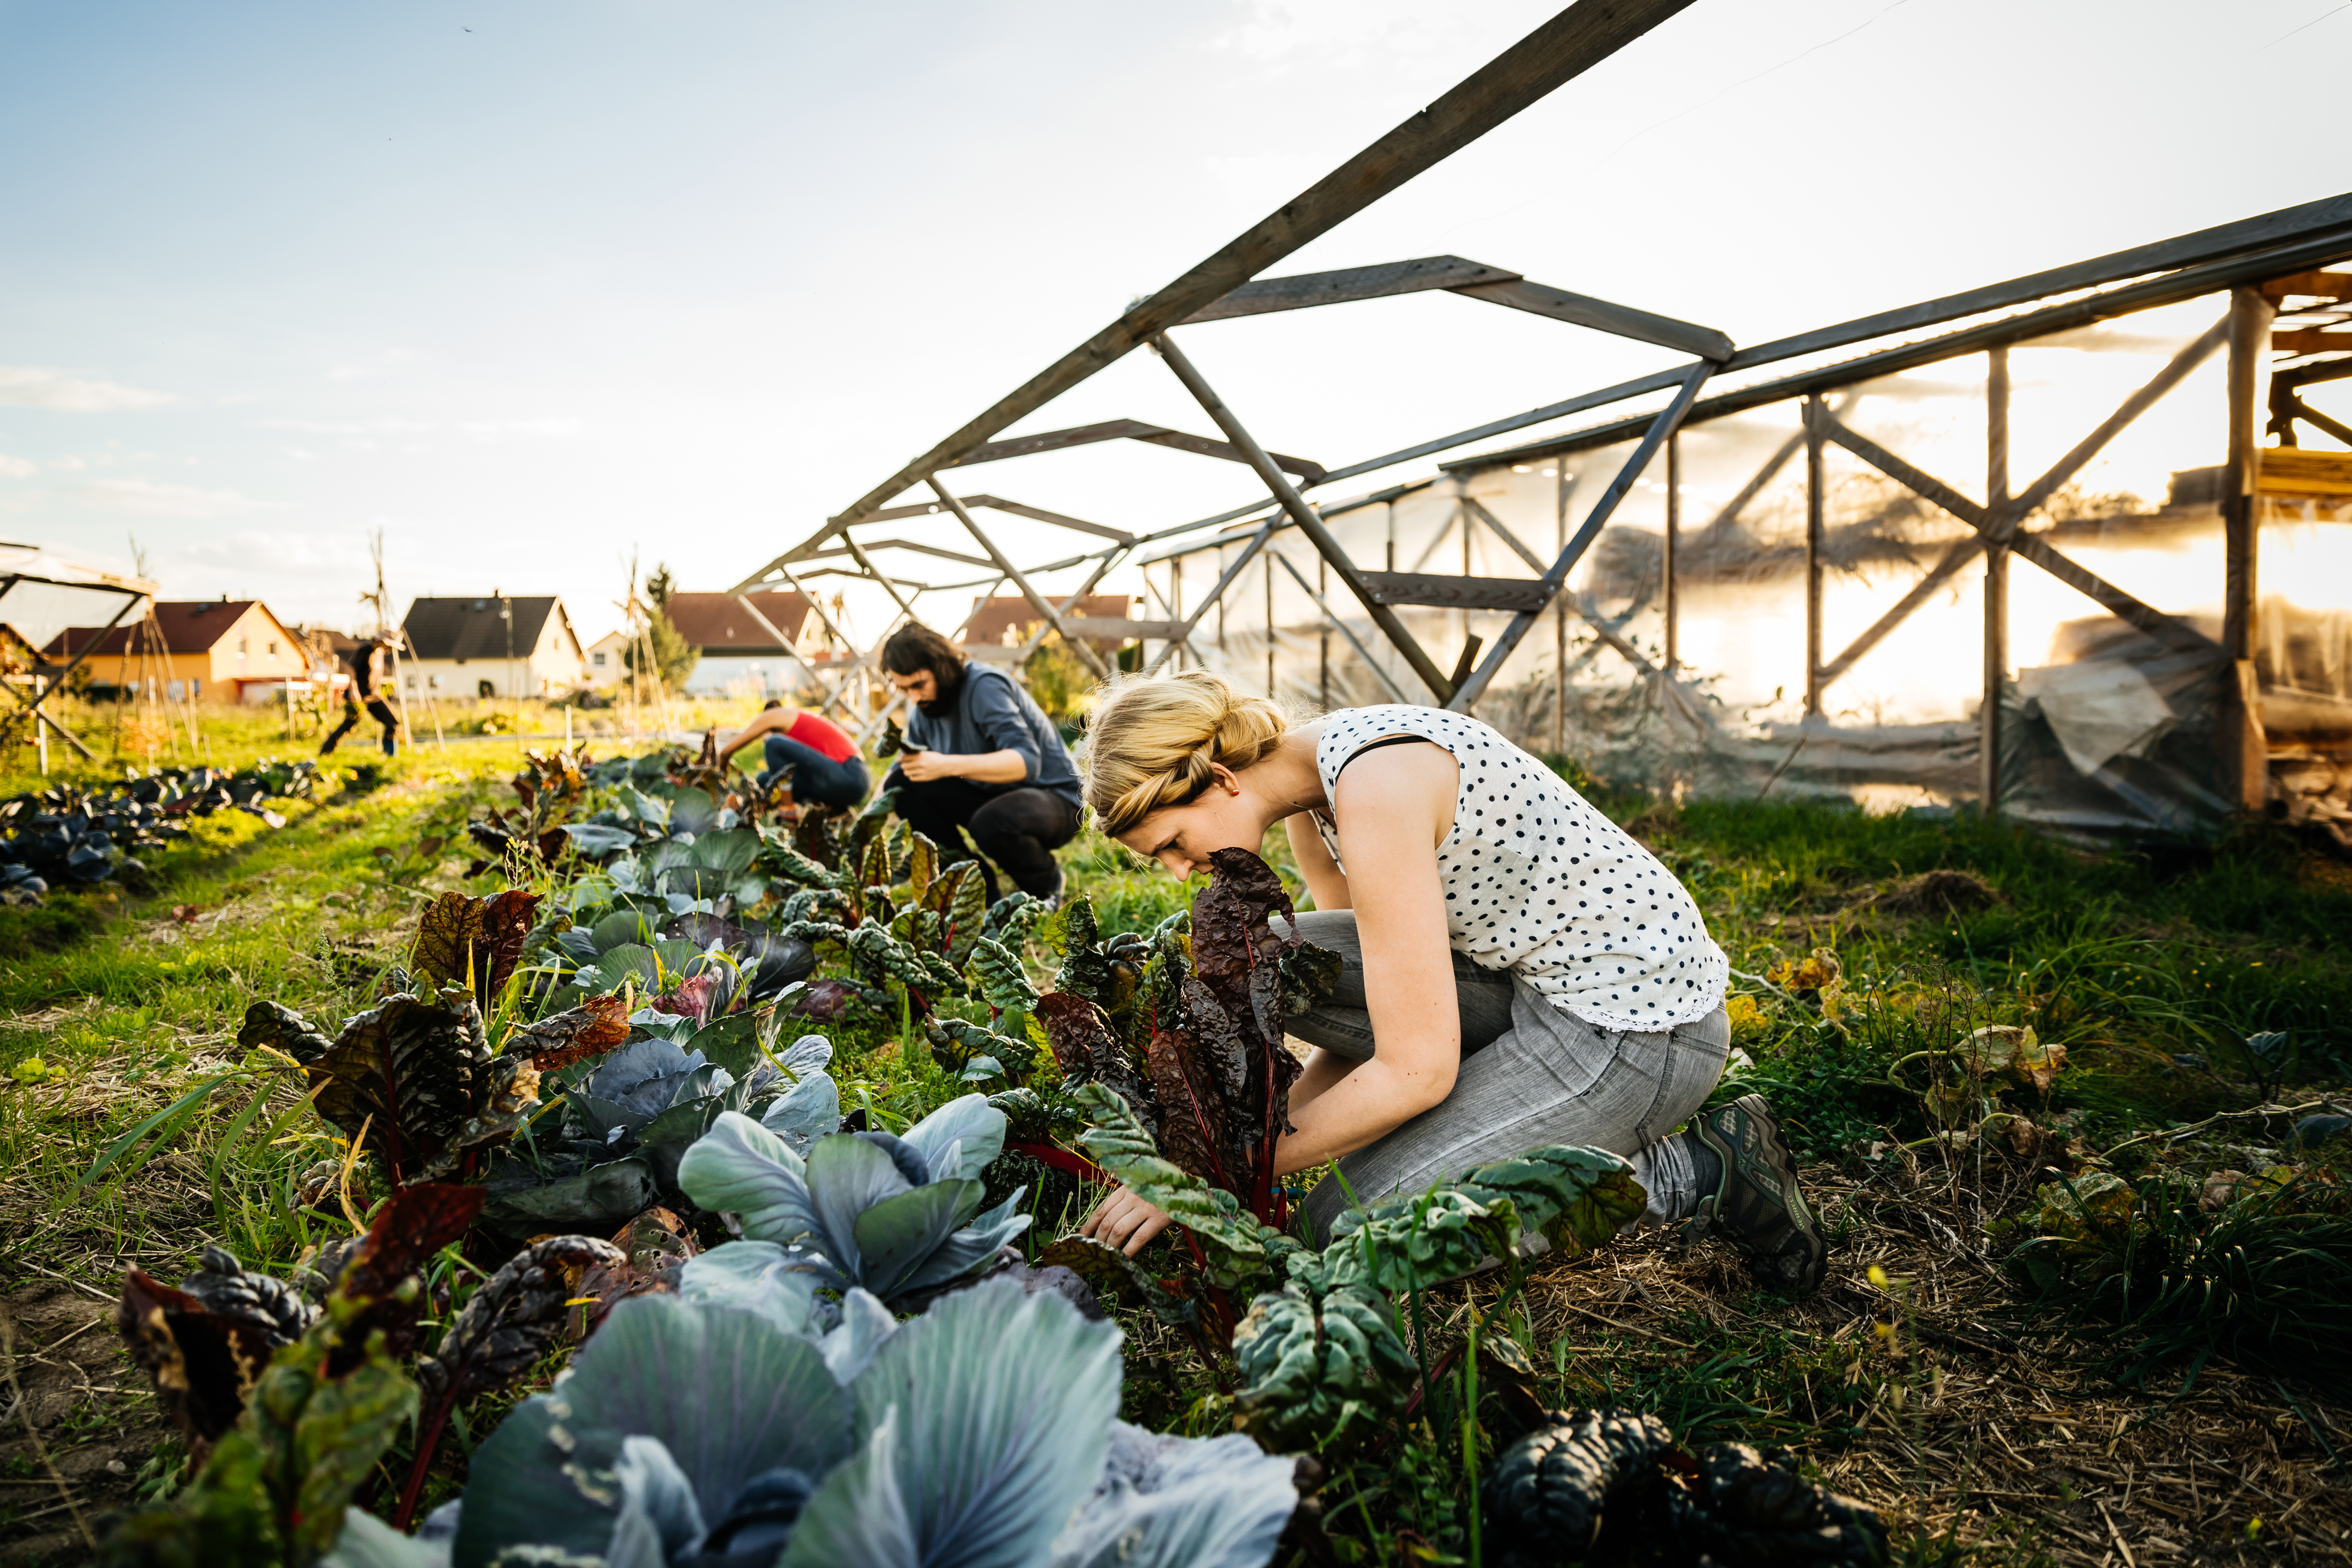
(2245, 752)
(1996, 583)
(1815, 504)
(1673, 533)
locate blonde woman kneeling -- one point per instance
(1517, 970)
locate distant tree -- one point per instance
(673, 658)
(1059, 680)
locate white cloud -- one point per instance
(149, 498)
(548, 426)
(387, 361)
(16, 467)
(350, 426)
(36, 386)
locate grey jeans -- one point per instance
(1531, 1073)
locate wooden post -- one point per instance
(41, 730)
(1562, 483)
(1323, 634)
(2244, 752)
(1175, 651)
(1269, 624)
(1815, 501)
(1462, 521)
(1996, 582)
(1674, 535)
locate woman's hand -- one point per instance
(1125, 1221)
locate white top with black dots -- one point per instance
(1540, 882)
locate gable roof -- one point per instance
(473, 627)
(991, 618)
(337, 643)
(189, 625)
(16, 650)
(715, 622)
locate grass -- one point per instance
(1985, 1429)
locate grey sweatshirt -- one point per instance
(991, 713)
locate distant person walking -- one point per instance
(370, 667)
(980, 756)
(826, 768)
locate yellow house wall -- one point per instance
(258, 629)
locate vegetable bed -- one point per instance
(602, 1162)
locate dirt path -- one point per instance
(92, 1411)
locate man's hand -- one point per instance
(923, 767)
(1125, 1221)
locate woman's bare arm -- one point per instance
(1392, 820)
(771, 721)
(1326, 883)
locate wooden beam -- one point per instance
(2309, 286)
(2007, 516)
(1826, 426)
(1306, 469)
(1120, 430)
(1996, 584)
(1673, 530)
(2168, 629)
(1657, 381)
(2312, 341)
(2327, 423)
(2245, 752)
(1816, 500)
(1662, 425)
(1470, 503)
(2174, 373)
(1306, 289)
(906, 544)
(1039, 514)
(2329, 216)
(1562, 48)
(1037, 602)
(1305, 516)
(1450, 593)
(1331, 619)
(1584, 311)
(1183, 637)
(2170, 289)
(1956, 556)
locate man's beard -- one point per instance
(942, 706)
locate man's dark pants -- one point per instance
(815, 776)
(380, 712)
(1019, 829)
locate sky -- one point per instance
(538, 289)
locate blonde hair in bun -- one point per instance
(1153, 741)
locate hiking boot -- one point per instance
(1758, 1208)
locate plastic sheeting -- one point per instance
(2108, 729)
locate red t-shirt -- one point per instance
(823, 736)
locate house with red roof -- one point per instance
(213, 650)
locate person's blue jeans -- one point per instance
(815, 776)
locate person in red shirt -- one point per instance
(823, 760)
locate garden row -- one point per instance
(593, 1121)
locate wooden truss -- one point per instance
(2285, 251)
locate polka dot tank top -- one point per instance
(1540, 882)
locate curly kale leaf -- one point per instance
(1319, 1368)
